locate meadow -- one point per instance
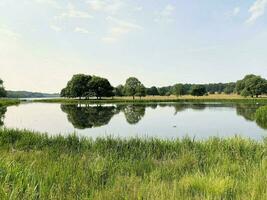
(35, 166)
(233, 98)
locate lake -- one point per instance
(162, 120)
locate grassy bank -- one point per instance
(158, 99)
(35, 166)
(9, 102)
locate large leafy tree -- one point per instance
(3, 92)
(251, 85)
(198, 90)
(141, 91)
(132, 86)
(119, 91)
(101, 87)
(178, 90)
(152, 91)
(77, 86)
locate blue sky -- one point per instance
(44, 42)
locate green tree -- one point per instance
(251, 85)
(119, 91)
(178, 90)
(3, 92)
(230, 88)
(198, 90)
(131, 86)
(77, 86)
(140, 91)
(100, 86)
(153, 91)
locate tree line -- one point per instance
(86, 86)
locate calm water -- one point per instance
(127, 120)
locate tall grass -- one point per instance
(217, 98)
(35, 166)
(261, 116)
(9, 102)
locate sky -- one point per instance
(44, 42)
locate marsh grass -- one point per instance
(36, 166)
(9, 102)
(157, 99)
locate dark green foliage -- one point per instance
(164, 91)
(140, 91)
(100, 86)
(251, 85)
(178, 90)
(3, 92)
(133, 87)
(87, 116)
(119, 91)
(153, 91)
(2, 114)
(77, 86)
(87, 86)
(230, 88)
(198, 90)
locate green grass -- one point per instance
(151, 100)
(35, 166)
(9, 102)
(261, 116)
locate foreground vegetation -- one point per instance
(9, 102)
(35, 166)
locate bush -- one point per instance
(261, 117)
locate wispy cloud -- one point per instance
(236, 11)
(53, 3)
(7, 32)
(111, 6)
(81, 30)
(257, 10)
(56, 28)
(166, 14)
(119, 28)
(72, 12)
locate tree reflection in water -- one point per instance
(89, 116)
(2, 115)
(85, 116)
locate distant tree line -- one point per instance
(86, 86)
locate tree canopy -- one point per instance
(82, 85)
(198, 90)
(133, 87)
(3, 92)
(251, 85)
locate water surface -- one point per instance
(164, 120)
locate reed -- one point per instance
(36, 166)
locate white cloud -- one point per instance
(166, 14)
(48, 2)
(56, 28)
(110, 6)
(72, 12)
(81, 30)
(7, 32)
(257, 10)
(119, 28)
(138, 8)
(236, 11)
